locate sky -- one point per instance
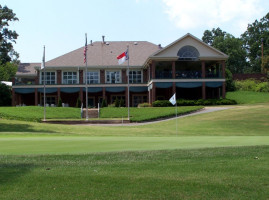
(61, 25)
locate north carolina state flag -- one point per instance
(123, 57)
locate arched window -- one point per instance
(188, 53)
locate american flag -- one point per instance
(85, 50)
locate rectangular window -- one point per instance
(93, 77)
(113, 77)
(50, 78)
(139, 99)
(70, 78)
(135, 76)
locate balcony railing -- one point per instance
(188, 74)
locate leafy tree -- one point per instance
(104, 104)
(7, 71)
(60, 103)
(230, 85)
(229, 45)
(117, 102)
(78, 104)
(121, 102)
(7, 37)
(5, 95)
(252, 39)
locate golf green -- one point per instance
(18, 145)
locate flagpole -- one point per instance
(43, 62)
(86, 78)
(176, 115)
(128, 83)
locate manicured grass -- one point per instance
(248, 97)
(250, 120)
(145, 114)
(219, 173)
(19, 145)
(36, 113)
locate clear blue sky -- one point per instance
(61, 25)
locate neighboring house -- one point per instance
(188, 66)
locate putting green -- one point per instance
(18, 145)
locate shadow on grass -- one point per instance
(10, 172)
(7, 127)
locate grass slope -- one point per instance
(248, 97)
(145, 114)
(220, 173)
(251, 120)
(36, 113)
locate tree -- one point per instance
(7, 71)
(5, 95)
(7, 37)
(252, 39)
(229, 45)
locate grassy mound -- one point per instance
(36, 113)
(248, 97)
(146, 113)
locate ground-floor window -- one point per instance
(137, 99)
(91, 102)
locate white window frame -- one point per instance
(77, 77)
(41, 77)
(113, 71)
(88, 77)
(136, 70)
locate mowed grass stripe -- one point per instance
(75, 145)
(215, 173)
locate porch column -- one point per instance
(174, 88)
(223, 68)
(223, 90)
(59, 77)
(36, 97)
(81, 94)
(58, 94)
(153, 70)
(153, 92)
(13, 98)
(104, 93)
(126, 97)
(80, 76)
(203, 69)
(102, 76)
(204, 91)
(173, 69)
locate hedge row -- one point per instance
(199, 102)
(252, 85)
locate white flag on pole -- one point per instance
(173, 99)
(43, 60)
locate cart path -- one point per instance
(202, 111)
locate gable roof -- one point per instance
(100, 54)
(206, 51)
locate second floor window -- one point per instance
(113, 77)
(70, 77)
(50, 78)
(135, 76)
(93, 77)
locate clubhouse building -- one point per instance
(188, 67)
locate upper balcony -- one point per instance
(188, 70)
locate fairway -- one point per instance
(79, 144)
